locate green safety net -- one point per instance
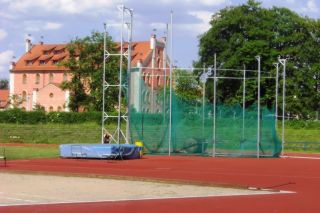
(192, 122)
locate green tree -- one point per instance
(86, 67)
(4, 84)
(240, 33)
(186, 85)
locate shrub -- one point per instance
(34, 117)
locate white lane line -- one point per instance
(152, 198)
(19, 199)
(301, 157)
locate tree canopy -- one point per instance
(86, 67)
(4, 84)
(240, 33)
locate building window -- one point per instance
(150, 79)
(28, 62)
(144, 77)
(24, 95)
(51, 78)
(158, 80)
(37, 78)
(42, 62)
(51, 109)
(65, 77)
(24, 78)
(59, 108)
(51, 95)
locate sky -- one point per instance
(59, 21)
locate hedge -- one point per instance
(19, 116)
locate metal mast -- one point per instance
(118, 133)
(283, 63)
(171, 58)
(258, 114)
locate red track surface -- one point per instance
(299, 175)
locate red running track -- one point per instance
(299, 175)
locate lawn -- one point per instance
(51, 133)
(91, 133)
(29, 152)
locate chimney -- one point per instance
(12, 65)
(139, 63)
(153, 41)
(28, 45)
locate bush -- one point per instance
(34, 117)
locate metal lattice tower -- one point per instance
(121, 86)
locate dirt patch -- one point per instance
(15, 189)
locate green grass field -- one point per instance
(51, 133)
(18, 152)
(91, 133)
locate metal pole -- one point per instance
(214, 105)
(283, 62)
(258, 116)
(165, 75)
(120, 79)
(277, 86)
(103, 81)
(203, 101)
(243, 100)
(129, 77)
(171, 58)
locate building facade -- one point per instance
(35, 78)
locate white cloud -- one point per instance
(52, 26)
(5, 59)
(36, 26)
(210, 2)
(62, 6)
(195, 2)
(7, 15)
(158, 25)
(202, 25)
(312, 6)
(3, 34)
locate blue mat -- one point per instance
(100, 151)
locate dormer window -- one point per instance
(28, 62)
(58, 51)
(55, 61)
(46, 52)
(42, 62)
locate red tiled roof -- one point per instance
(39, 52)
(50, 53)
(45, 57)
(140, 51)
(4, 98)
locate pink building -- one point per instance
(35, 78)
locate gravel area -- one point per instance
(30, 189)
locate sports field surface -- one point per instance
(293, 185)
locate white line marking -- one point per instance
(142, 199)
(301, 157)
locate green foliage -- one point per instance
(4, 84)
(86, 66)
(240, 33)
(19, 116)
(186, 86)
